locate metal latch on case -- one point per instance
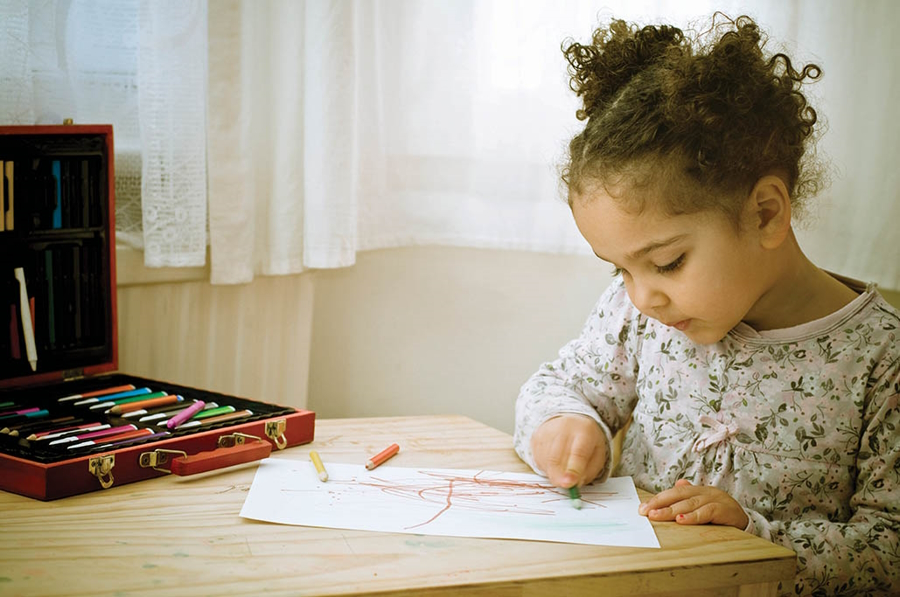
(275, 431)
(100, 467)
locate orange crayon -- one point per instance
(382, 456)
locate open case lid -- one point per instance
(57, 230)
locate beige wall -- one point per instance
(443, 330)
(251, 340)
(405, 331)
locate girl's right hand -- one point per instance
(571, 449)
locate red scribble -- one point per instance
(469, 492)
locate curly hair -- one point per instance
(710, 106)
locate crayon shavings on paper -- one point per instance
(447, 502)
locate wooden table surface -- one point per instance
(183, 536)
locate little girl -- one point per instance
(762, 391)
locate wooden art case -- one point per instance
(57, 276)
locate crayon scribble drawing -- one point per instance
(477, 492)
(449, 502)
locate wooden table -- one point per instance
(182, 536)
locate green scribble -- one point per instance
(430, 544)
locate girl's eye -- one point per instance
(671, 267)
(617, 271)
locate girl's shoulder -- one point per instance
(868, 317)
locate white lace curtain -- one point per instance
(350, 125)
(139, 65)
(347, 125)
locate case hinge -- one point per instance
(275, 432)
(157, 458)
(235, 439)
(100, 467)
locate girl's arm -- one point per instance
(863, 554)
(594, 375)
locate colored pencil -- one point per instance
(320, 468)
(131, 406)
(382, 456)
(95, 393)
(186, 414)
(113, 438)
(93, 434)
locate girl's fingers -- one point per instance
(580, 452)
(558, 458)
(661, 500)
(665, 500)
(702, 515)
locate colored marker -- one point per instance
(120, 409)
(61, 431)
(32, 425)
(107, 404)
(31, 413)
(23, 411)
(214, 412)
(185, 414)
(135, 439)
(93, 434)
(171, 413)
(113, 438)
(27, 324)
(204, 414)
(95, 393)
(217, 419)
(382, 456)
(104, 397)
(57, 208)
(575, 496)
(320, 468)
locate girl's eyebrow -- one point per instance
(659, 244)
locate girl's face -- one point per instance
(693, 272)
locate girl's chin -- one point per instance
(701, 335)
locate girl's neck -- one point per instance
(799, 293)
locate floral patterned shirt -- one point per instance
(802, 430)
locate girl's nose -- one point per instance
(648, 298)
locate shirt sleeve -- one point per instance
(593, 375)
(862, 555)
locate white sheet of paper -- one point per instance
(449, 502)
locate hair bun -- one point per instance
(616, 54)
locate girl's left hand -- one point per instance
(695, 504)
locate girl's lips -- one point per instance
(681, 325)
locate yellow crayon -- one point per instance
(320, 468)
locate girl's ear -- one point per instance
(769, 205)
